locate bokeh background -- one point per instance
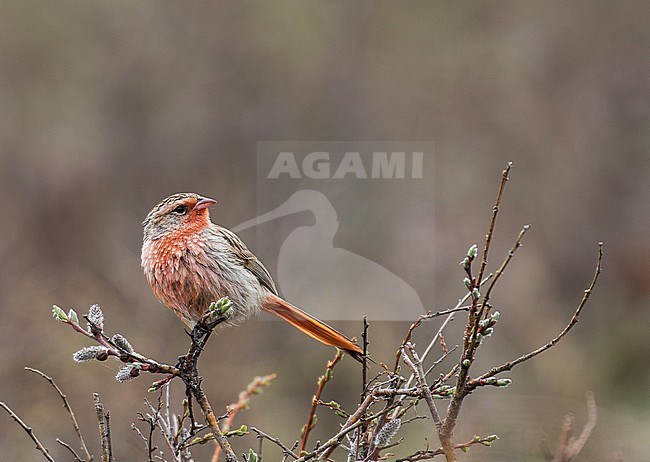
(106, 107)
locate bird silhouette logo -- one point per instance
(333, 282)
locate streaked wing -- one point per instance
(249, 260)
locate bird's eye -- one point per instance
(180, 210)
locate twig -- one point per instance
(426, 454)
(104, 430)
(504, 265)
(330, 445)
(322, 380)
(254, 387)
(446, 322)
(360, 445)
(285, 449)
(416, 368)
(67, 446)
(447, 311)
(568, 448)
(574, 319)
(29, 431)
(470, 343)
(441, 359)
(364, 364)
(495, 212)
(66, 405)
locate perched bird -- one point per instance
(191, 262)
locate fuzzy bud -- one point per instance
(473, 251)
(88, 353)
(122, 343)
(387, 432)
(467, 283)
(128, 372)
(475, 293)
(503, 382)
(96, 317)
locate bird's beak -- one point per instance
(204, 203)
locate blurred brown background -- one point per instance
(106, 107)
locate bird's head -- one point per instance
(182, 212)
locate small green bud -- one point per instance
(59, 314)
(72, 316)
(495, 316)
(329, 374)
(467, 362)
(252, 456)
(487, 332)
(241, 431)
(473, 251)
(475, 293)
(503, 382)
(467, 283)
(464, 448)
(221, 306)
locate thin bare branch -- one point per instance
(427, 454)
(29, 431)
(574, 319)
(495, 212)
(504, 265)
(322, 380)
(416, 368)
(66, 405)
(253, 388)
(285, 449)
(69, 448)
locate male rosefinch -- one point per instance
(190, 262)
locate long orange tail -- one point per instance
(311, 326)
